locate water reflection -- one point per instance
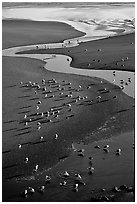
(61, 64)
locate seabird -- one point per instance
(39, 127)
(97, 147)
(26, 160)
(47, 179)
(38, 86)
(106, 146)
(66, 174)
(36, 168)
(44, 89)
(41, 138)
(106, 150)
(56, 136)
(78, 176)
(129, 80)
(43, 81)
(76, 187)
(39, 102)
(19, 146)
(25, 116)
(31, 190)
(118, 152)
(91, 170)
(41, 189)
(115, 189)
(38, 123)
(81, 154)
(63, 183)
(25, 193)
(26, 123)
(81, 150)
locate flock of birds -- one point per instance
(53, 90)
(66, 98)
(78, 180)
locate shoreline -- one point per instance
(103, 118)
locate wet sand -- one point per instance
(104, 54)
(90, 119)
(35, 32)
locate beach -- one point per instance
(81, 115)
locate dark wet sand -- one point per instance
(27, 32)
(87, 125)
(87, 56)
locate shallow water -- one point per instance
(60, 63)
(96, 21)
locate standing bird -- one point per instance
(41, 189)
(56, 136)
(114, 73)
(26, 160)
(118, 152)
(75, 187)
(36, 168)
(31, 190)
(63, 183)
(78, 176)
(41, 138)
(91, 170)
(39, 102)
(66, 174)
(19, 146)
(25, 116)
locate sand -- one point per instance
(112, 51)
(92, 122)
(35, 32)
